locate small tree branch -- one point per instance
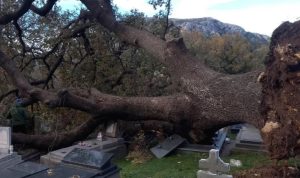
(20, 33)
(43, 11)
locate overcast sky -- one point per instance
(261, 16)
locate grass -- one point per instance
(186, 165)
(175, 166)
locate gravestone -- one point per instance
(88, 158)
(8, 158)
(249, 139)
(5, 140)
(220, 138)
(213, 166)
(167, 146)
(111, 129)
(109, 145)
(92, 159)
(249, 134)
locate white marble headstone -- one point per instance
(5, 139)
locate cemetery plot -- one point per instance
(88, 158)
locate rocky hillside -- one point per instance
(210, 26)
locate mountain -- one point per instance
(210, 26)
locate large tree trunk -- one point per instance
(209, 100)
(215, 100)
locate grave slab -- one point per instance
(6, 173)
(249, 134)
(29, 167)
(111, 145)
(88, 158)
(220, 138)
(167, 146)
(10, 160)
(64, 171)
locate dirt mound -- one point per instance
(280, 106)
(269, 172)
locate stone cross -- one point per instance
(214, 166)
(5, 140)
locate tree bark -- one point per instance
(209, 100)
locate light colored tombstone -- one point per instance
(111, 129)
(5, 140)
(213, 166)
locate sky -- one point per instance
(260, 16)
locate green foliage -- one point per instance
(229, 54)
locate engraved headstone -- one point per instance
(167, 146)
(213, 166)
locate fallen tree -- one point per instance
(209, 100)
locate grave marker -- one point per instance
(88, 158)
(213, 166)
(111, 129)
(167, 146)
(5, 140)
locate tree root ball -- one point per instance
(280, 106)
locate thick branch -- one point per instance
(57, 140)
(5, 19)
(99, 104)
(173, 54)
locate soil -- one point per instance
(280, 105)
(269, 172)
